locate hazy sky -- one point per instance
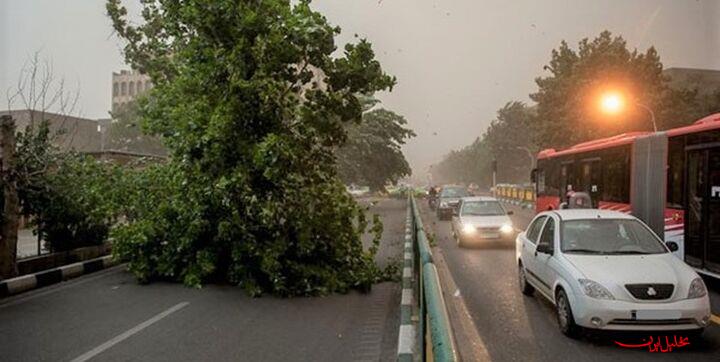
(457, 61)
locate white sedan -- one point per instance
(481, 219)
(607, 270)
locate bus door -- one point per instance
(702, 224)
(567, 179)
(590, 179)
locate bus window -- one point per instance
(616, 175)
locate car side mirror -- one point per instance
(673, 246)
(533, 175)
(544, 248)
(455, 212)
(511, 212)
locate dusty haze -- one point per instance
(456, 61)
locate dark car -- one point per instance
(448, 200)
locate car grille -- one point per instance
(653, 322)
(650, 291)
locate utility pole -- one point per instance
(494, 175)
(11, 206)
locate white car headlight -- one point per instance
(443, 204)
(506, 229)
(593, 289)
(697, 289)
(469, 228)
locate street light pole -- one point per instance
(530, 154)
(652, 114)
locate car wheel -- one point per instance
(565, 318)
(525, 287)
(695, 333)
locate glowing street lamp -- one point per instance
(613, 103)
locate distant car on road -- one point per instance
(448, 200)
(481, 219)
(607, 270)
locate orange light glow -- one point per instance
(612, 103)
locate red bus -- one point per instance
(669, 179)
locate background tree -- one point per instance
(567, 110)
(29, 153)
(372, 156)
(567, 100)
(125, 132)
(508, 140)
(251, 99)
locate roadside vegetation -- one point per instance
(252, 102)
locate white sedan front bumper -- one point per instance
(683, 314)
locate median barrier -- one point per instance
(434, 336)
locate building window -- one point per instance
(132, 88)
(139, 86)
(123, 88)
(115, 89)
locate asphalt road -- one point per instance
(514, 327)
(109, 317)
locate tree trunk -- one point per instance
(11, 207)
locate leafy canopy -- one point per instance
(567, 100)
(372, 154)
(251, 103)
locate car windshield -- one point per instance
(482, 208)
(609, 236)
(454, 192)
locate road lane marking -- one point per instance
(715, 319)
(129, 333)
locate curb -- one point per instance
(44, 278)
(406, 336)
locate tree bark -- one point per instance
(11, 207)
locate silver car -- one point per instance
(481, 220)
(607, 270)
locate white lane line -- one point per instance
(127, 334)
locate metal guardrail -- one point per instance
(434, 332)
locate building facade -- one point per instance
(706, 81)
(127, 85)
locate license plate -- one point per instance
(657, 314)
(490, 236)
